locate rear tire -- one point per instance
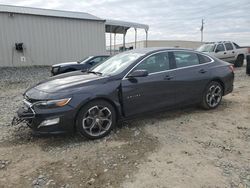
(239, 61)
(248, 65)
(212, 95)
(96, 119)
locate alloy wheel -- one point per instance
(214, 95)
(97, 120)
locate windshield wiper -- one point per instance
(94, 72)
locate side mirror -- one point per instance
(138, 73)
(216, 51)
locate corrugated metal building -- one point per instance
(48, 36)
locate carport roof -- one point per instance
(48, 12)
(116, 26)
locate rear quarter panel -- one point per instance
(220, 71)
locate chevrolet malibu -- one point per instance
(126, 85)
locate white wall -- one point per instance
(163, 43)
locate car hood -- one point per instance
(65, 64)
(68, 82)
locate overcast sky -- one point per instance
(167, 19)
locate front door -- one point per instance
(230, 56)
(220, 52)
(152, 92)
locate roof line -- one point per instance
(48, 12)
(126, 24)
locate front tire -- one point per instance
(212, 95)
(96, 119)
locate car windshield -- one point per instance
(82, 61)
(206, 48)
(116, 64)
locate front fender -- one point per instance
(81, 99)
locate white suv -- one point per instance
(226, 51)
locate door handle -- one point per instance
(167, 77)
(202, 71)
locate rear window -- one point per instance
(204, 59)
(185, 59)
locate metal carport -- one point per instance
(121, 27)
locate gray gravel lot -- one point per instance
(13, 83)
(181, 148)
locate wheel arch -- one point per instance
(117, 111)
(110, 102)
(220, 82)
(241, 55)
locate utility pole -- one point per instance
(202, 28)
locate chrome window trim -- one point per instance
(170, 70)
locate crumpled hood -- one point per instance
(68, 81)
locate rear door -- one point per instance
(152, 92)
(191, 75)
(231, 53)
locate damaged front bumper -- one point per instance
(45, 121)
(25, 113)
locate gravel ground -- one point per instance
(181, 148)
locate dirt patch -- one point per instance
(201, 148)
(73, 161)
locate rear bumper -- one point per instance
(61, 119)
(228, 90)
(229, 84)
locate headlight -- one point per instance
(52, 103)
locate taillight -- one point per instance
(231, 67)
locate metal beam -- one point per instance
(114, 41)
(124, 40)
(110, 37)
(135, 37)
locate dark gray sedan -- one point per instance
(131, 83)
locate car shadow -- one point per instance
(173, 114)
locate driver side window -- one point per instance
(220, 48)
(155, 63)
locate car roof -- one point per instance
(155, 49)
(100, 56)
(218, 42)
